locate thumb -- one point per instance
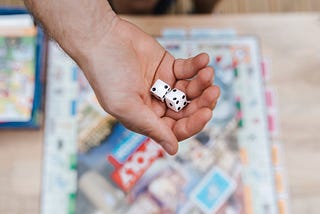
(141, 119)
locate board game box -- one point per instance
(22, 51)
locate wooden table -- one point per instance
(291, 42)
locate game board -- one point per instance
(227, 168)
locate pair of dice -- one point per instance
(175, 98)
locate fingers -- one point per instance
(207, 99)
(140, 118)
(187, 68)
(196, 86)
(187, 127)
(203, 80)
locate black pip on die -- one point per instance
(176, 100)
(160, 89)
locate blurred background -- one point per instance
(288, 32)
(235, 6)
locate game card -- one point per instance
(213, 191)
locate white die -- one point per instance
(176, 100)
(160, 89)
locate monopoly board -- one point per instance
(93, 164)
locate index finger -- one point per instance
(188, 68)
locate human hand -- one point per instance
(121, 67)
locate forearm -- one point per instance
(75, 24)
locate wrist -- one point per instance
(79, 41)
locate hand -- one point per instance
(122, 66)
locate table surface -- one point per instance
(290, 41)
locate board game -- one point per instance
(21, 53)
(98, 166)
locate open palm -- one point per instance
(121, 71)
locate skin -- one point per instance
(122, 62)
